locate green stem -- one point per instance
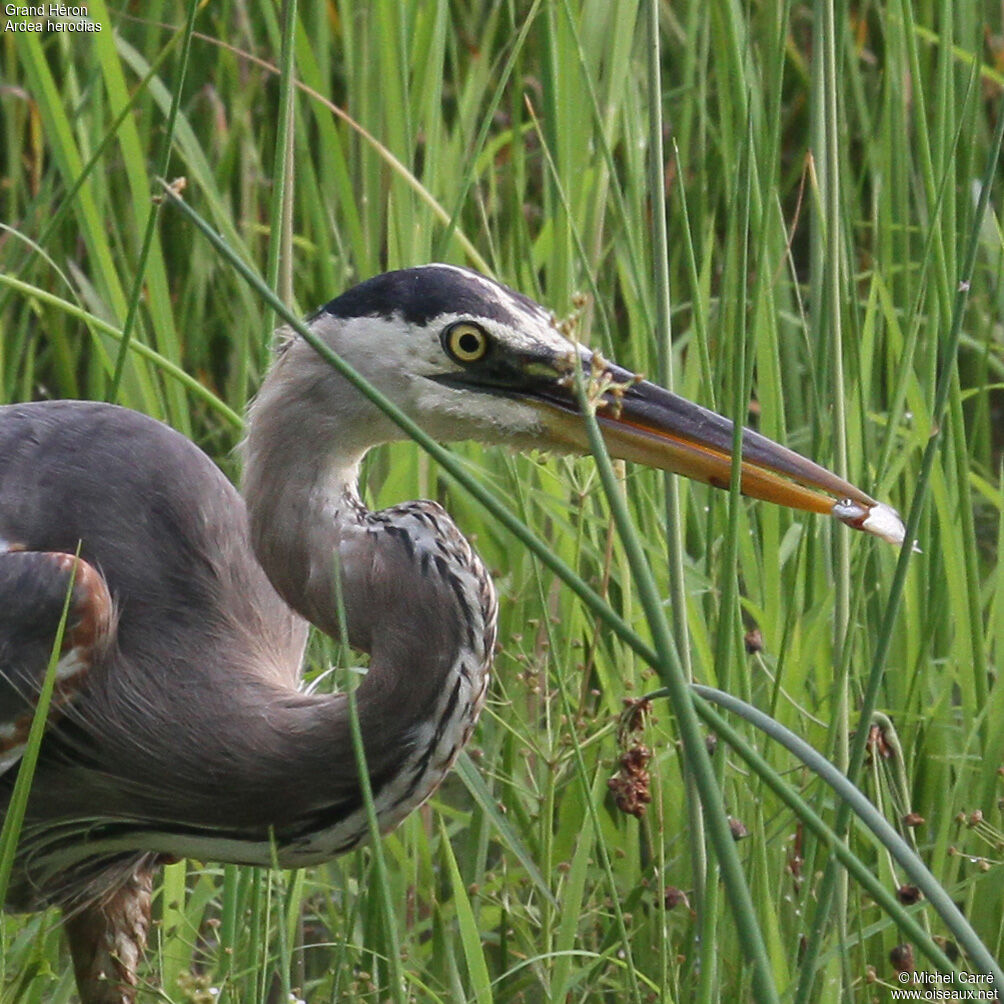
(136, 295)
(884, 636)
(704, 886)
(853, 800)
(670, 669)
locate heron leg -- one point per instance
(107, 939)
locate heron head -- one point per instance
(469, 358)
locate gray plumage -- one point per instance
(179, 726)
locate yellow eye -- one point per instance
(465, 342)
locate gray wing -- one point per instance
(163, 532)
(34, 589)
(173, 634)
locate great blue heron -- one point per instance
(178, 726)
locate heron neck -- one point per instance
(408, 589)
(304, 512)
(300, 489)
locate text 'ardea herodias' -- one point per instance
(178, 726)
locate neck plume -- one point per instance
(405, 584)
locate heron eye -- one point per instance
(465, 342)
